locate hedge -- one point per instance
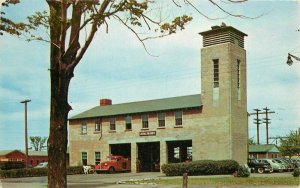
(35, 172)
(203, 167)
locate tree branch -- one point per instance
(234, 15)
(136, 34)
(94, 28)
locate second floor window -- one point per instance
(128, 122)
(145, 121)
(161, 119)
(97, 125)
(178, 118)
(112, 125)
(83, 128)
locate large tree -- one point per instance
(66, 20)
(290, 145)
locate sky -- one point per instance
(116, 66)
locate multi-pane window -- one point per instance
(97, 157)
(98, 125)
(128, 122)
(84, 158)
(216, 73)
(161, 119)
(83, 128)
(238, 73)
(178, 118)
(112, 124)
(145, 121)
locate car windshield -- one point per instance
(112, 159)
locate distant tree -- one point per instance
(290, 145)
(37, 142)
(72, 25)
(251, 141)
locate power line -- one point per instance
(266, 121)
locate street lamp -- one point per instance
(26, 142)
(289, 59)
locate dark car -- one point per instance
(259, 167)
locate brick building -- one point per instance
(211, 125)
(34, 157)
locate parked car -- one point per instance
(259, 167)
(296, 162)
(277, 167)
(290, 163)
(42, 165)
(114, 163)
(283, 163)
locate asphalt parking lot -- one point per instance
(115, 181)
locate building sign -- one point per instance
(148, 133)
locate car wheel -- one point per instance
(260, 170)
(271, 170)
(111, 170)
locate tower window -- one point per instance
(238, 73)
(216, 73)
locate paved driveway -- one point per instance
(109, 181)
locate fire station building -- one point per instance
(211, 125)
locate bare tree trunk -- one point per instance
(57, 142)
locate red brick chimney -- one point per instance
(105, 102)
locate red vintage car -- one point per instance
(114, 163)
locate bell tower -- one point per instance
(224, 86)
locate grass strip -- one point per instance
(227, 181)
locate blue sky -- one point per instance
(117, 67)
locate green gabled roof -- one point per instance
(263, 148)
(182, 102)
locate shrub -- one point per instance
(203, 167)
(18, 173)
(242, 172)
(71, 170)
(296, 172)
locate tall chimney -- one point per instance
(105, 102)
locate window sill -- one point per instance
(83, 133)
(112, 131)
(145, 129)
(178, 126)
(97, 132)
(161, 127)
(128, 130)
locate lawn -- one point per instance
(227, 181)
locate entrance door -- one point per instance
(149, 156)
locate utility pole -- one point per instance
(267, 122)
(26, 142)
(257, 122)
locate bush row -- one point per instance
(35, 172)
(203, 167)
